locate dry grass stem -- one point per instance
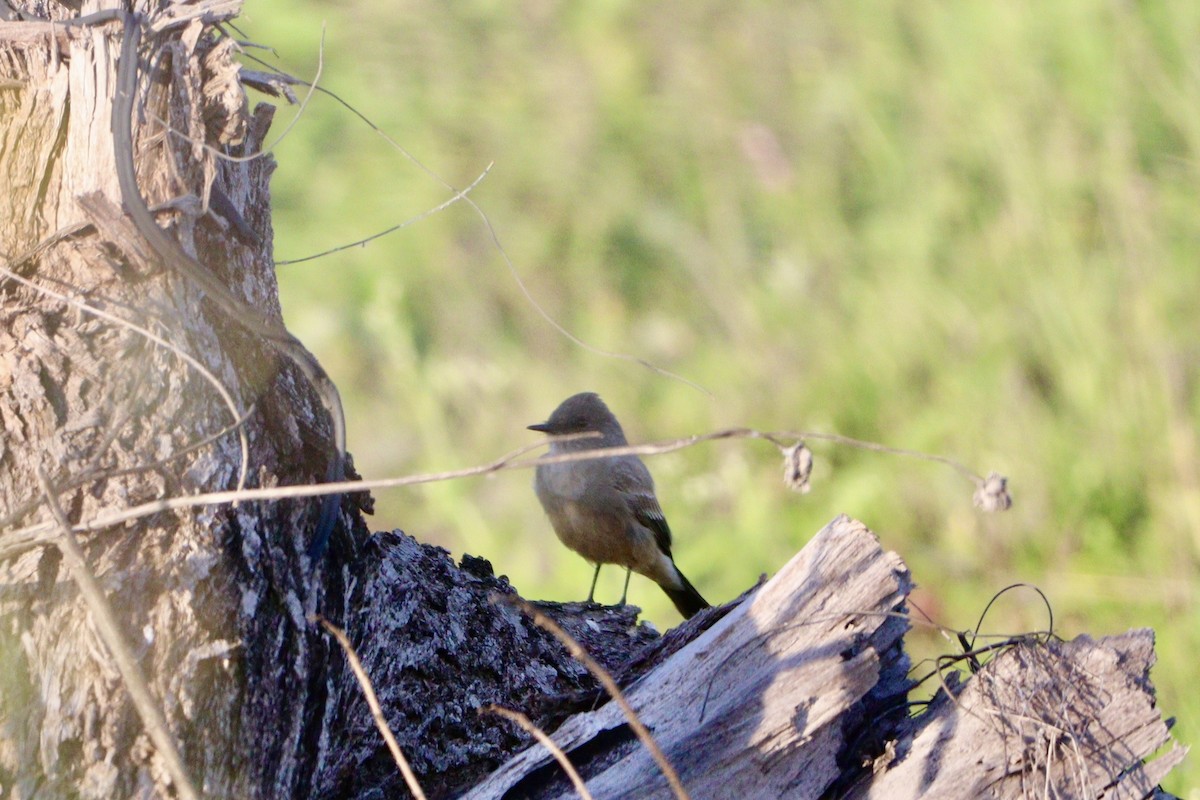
(376, 711)
(537, 733)
(122, 654)
(495, 237)
(614, 691)
(458, 195)
(36, 535)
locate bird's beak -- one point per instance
(543, 427)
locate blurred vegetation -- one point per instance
(970, 229)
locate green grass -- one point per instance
(964, 228)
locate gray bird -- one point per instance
(605, 508)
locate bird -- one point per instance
(605, 509)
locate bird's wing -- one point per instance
(632, 480)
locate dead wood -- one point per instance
(769, 702)
(1043, 719)
(799, 691)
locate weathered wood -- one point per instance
(761, 704)
(764, 703)
(1074, 719)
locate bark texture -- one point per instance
(1043, 719)
(440, 643)
(214, 599)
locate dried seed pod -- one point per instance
(992, 494)
(797, 467)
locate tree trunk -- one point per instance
(212, 600)
(112, 350)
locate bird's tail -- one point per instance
(685, 597)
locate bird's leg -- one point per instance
(592, 591)
(624, 592)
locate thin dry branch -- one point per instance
(614, 691)
(174, 15)
(122, 654)
(537, 733)
(20, 540)
(95, 474)
(376, 711)
(495, 237)
(458, 195)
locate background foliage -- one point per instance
(965, 228)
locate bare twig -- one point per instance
(458, 195)
(997, 595)
(495, 237)
(581, 655)
(191, 448)
(20, 260)
(376, 711)
(875, 447)
(175, 15)
(313, 88)
(97, 474)
(537, 733)
(110, 633)
(18, 541)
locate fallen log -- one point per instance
(801, 691)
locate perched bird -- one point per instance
(605, 508)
